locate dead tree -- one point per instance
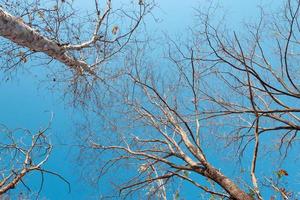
(51, 33)
(233, 90)
(23, 153)
(226, 88)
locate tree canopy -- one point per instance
(213, 111)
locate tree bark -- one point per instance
(15, 30)
(233, 190)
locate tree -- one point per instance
(41, 36)
(235, 90)
(51, 33)
(85, 43)
(23, 153)
(224, 90)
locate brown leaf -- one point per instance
(115, 30)
(282, 172)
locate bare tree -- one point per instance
(224, 90)
(48, 30)
(23, 153)
(237, 92)
(162, 137)
(51, 33)
(85, 41)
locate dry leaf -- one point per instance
(115, 30)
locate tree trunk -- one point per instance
(233, 190)
(15, 30)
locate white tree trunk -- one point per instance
(15, 30)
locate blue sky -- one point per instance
(26, 102)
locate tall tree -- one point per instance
(226, 90)
(54, 33)
(44, 29)
(83, 41)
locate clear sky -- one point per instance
(25, 100)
